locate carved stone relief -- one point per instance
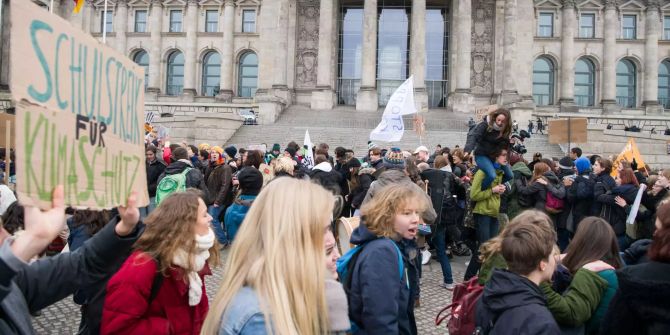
(481, 80)
(307, 43)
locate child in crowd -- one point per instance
(380, 296)
(512, 302)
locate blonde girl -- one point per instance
(275, 274)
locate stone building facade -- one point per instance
(590, 56)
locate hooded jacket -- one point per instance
(641, 304)
(539, 191)
(488, 203)
(365, 179)
(236, 213)
(154, 170)
(512, 304)
(379, 300)
(324, 175)
(613, 213)
(441, 187)
(580, 197)
(604, 183)
(194, 178)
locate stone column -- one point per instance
(121, 25)
(155, 48)
(324, 95)
(652, 32)
(367, 95)
(461, 100)
(567, 77)
(609, 63)
(227, 62)
(417, 61)
(191, 54)
(509, 92)
(88, 14)
(281, 49)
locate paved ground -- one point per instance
(63, 317)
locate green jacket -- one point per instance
(488, 203)
(494, 262)
(580, 301)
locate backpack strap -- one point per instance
(156, 283)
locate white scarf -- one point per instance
(181, 259)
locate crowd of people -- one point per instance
(556, 245)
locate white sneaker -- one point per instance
(449, 287)
(425, 257)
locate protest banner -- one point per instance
(629, 152)
(570, 130)
(7, 127)
(392, 127)
(79, 115)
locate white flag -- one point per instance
(308, 159)
(636, 205)
(392, 127)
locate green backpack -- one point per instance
(171, 183)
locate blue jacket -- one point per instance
(379, 301)
(244, 315)
(511, 304)
(235, 214)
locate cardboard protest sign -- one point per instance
(7, 126)
(573, 130)
(79, 115)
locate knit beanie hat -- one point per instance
(231, 151)
(583, 165)
(566, 163)
(251, 181)
(372, 145)
(394, 159)
(353, 163)
(276, 147)
(291, 151)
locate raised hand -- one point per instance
(130, 216)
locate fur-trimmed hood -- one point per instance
(367, 170)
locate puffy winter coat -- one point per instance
(613, 213)
(488, 203)
(512, 304)
(128, 310)
(580, 197)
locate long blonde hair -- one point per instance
(281, 257)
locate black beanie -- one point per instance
(251, 181)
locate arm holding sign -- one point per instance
(49, 280)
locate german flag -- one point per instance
(77, 5)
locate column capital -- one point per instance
(158, 3)
(229, 3)
(569, 4)
(122, 3)
(653, 5)
(192, 2)
(610, 4)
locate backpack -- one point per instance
(525, 201)
(345, 266)
(462, 310)
(553, 205)
(171, 183)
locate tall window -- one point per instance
(585, 73)
(545, 25)
(664, 84)
(211, 21)
(141, 58)
(437, 31)
(626, 83)
(106, 20)
(211, 74)
(350, 53)
(175, 21)
(666, 28)
(587, 23)
(543, 81)
(629, 27)
(392, 50)
(140, 21)
(248, 21)
(248, 75)
(175, 73)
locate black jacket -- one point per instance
(357, 195)
(511, 304)
(485, 141)
(26, 288)
(441, 188)
(154, 171)
(640, 306)
(539, 191)
(194, 178)
(580, 197)
(613, 213)
(324, 175)
(604, 184)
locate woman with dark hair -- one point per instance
(543, 185)
(413, 172)
(604, 182)
(615, 201)
(594, 248)
(84, 224)
(489, 136)
(640, 306)
(254, 158)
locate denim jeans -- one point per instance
(623, 241)
(487, 228)
(145, 211)
(486, 165)
(440, 245)
(216, 224)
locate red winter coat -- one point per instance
(126, 310)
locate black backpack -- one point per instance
(524, 200)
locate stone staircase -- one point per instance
(344, 126)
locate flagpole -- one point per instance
(104, 24)
(51, 7)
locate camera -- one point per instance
(519, 148)
(518, 139)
